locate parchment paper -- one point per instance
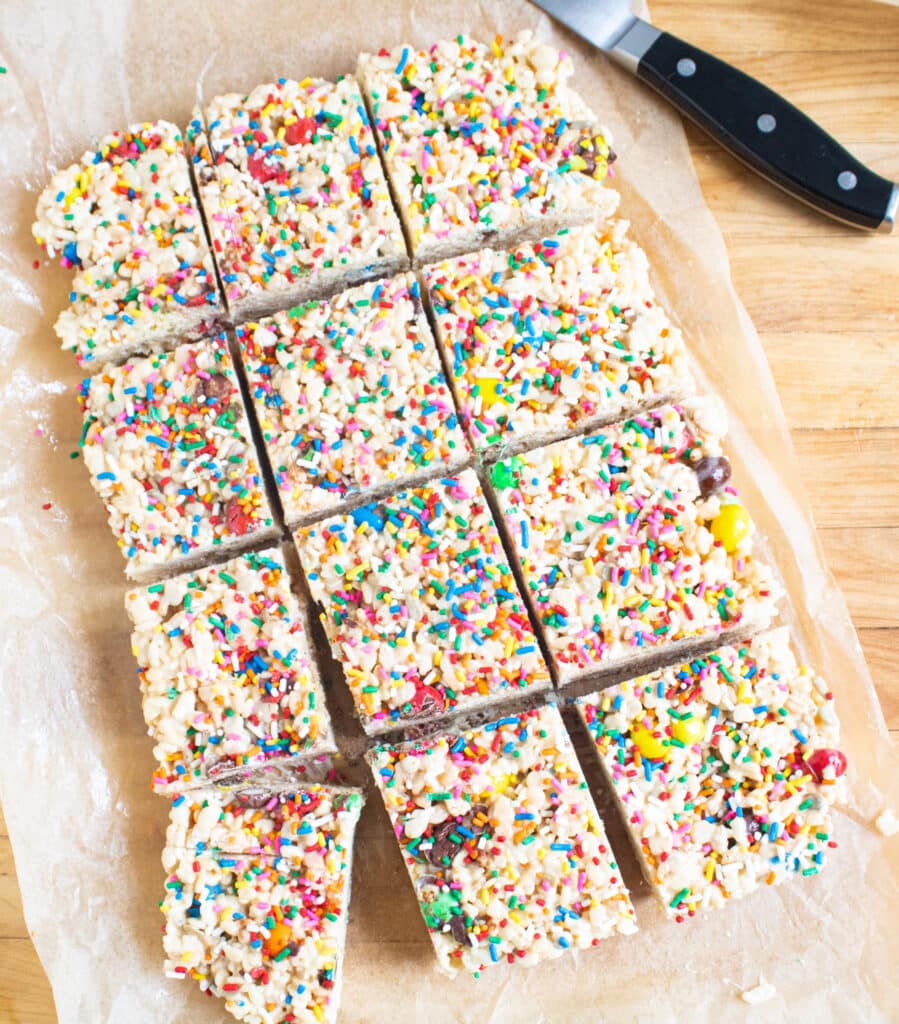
(75, 761)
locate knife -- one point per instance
(747, 118)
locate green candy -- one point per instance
(444, 906)
(505, 474)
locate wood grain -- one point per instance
(824, 301)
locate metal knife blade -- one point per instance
(609, 25)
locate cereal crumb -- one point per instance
(761, 993)
(886, 823)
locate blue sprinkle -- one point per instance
(71, 253)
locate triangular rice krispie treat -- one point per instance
(261, 925)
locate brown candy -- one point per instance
(254, 799)
(442, 845)
(479, 821)
(216, 386)
(712, 472)
(459, 931)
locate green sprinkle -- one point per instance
(680, 897)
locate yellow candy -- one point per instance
(488, 390)
(649, 746)
(730, 526)
(688, 730)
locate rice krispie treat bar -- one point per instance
(508, 857)
(420, 606)
(264, 932)
(554, 336)
(724, 768)
(294, 194)
(632, 539)
(351, 397)
(227, 675)
(168, 447)
(125, 219)
(484, 141)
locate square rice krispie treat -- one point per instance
(420, 606)
(724, 768)
(264, 932)
(485, 143)
(631, 540)
(554, 336)
(351, 397)
(125, 218)
(227, 675)
(168, 447)
(293, 192)
(508, 857)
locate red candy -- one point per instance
(300, 131)
(427, 700)
(237, 520)
(260, 169)
(825, 758)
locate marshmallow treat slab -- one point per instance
(261, 926)
(508, 856)
(631, 542)
(351, 397)
(420, 606)
(485, 142)
(554, 336)
(724, 769)
(168, 447)
(226, 671)
(293, 193)
(124, 218)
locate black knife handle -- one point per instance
(768, 133)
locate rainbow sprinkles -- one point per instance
(395, 320)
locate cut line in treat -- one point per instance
(351, 399)
(723, 769)
(485, 144)
(293, 193)
(228, 678)
(632, 545)
(265, 932)
(124, 218)
(167, 443)
(502, 842)
(420, 606)
(554, 337)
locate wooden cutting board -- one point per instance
(825, 301)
